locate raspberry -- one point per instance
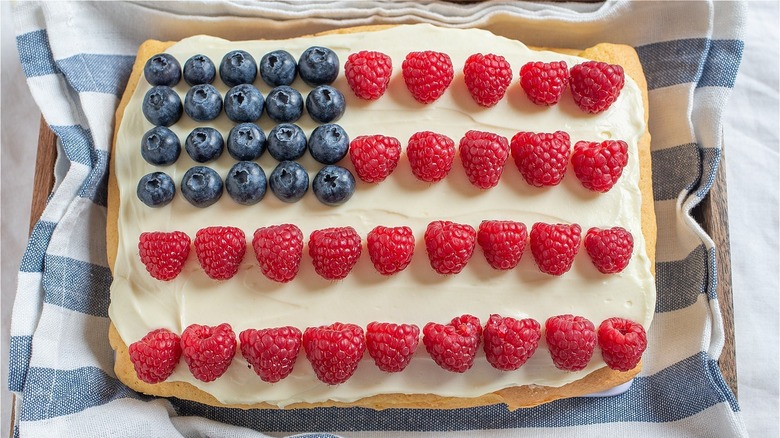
(596, 85)
(453, 346)
(368, 73)
(278, 249)
(220, 251)
(449, 246)
(487, 77)
(156, 355)
(334, 351)
(622, 343)
(272, 351)
(392, 345)
(510, 342)
(503, 242)
(334, 251)
(427, 74)
(430, 155)
(374, 156)
(164, 254)
(554, 246)
(541, 158)
(483, 155)
(609, 249)
(390, 249)
(544, 82)
(599, 165)
(571, 340)
(207, 350)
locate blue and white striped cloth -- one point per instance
(77, 58)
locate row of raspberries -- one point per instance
(334, 351)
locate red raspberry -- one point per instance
(374, 156)
(334, 351)
(278, 249)
(487, 77)
(272, 351)
(571, 340)
(334, 251)
(164, 254)
(390, 249)
(220, 251)
(544, 82)
(503, 242)
(596, 85)
(483, 155)
(622, 343)
(449, 246)
(554, 246)
(368, 73)
(599, 165)
(427, 74)
(510, 342)
(207, 350)
(392, 345)
(541, 158)
(430, 155)
(609, 249)
(453, 346)
(156, 355)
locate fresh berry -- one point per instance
(427, 74)
(487, 77)
(453, 346)
(199, 69)
(503, 242)
(374, 157)
(430, 155)
(483, 155)
(599, 165)
(289, 181)
(318, 66)
(162, 69)
(334, 351)
(449, 246)
(246, 183)
(208, 350)
(204, 144)
(244, 103)
(544, 82)
(237, 67)
(203, 103)
(220, 251)
(622, 343)
(246, 142)
(156, 189)
(510, 342)
(571, 340)
(278, 249)
(286, 142)
(328, 143)
(163, 253)
(162, 106)
(334, 251)
(278, 68)
(554, 246)
(392, 345)
(596, 85)
(390, 249)
(333, 185)
(156, 355)
(368, 73)
(160, 146)
(541, 157)
(201, 186)
(609, 249)
(325, 104)
(272, 351)
(284, 104)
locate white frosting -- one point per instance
(417, 295)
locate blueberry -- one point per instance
(284, 104)
(162, 106)
(237, 67)
(246, 142)
(278, 68)
(325, 104)
(328, 143)
(318, 66)
(156, 189)
(204, 144)
(243, 103)
(201, 186)
(203, 103)
(199, 69)
(246, 182)
(162, 69)
(333, 185)
(160, 146)
(289, 181)
(286, 142)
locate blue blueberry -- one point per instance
(160, 146)
(278, 68)
(284, 104)
(333, 185)
(328, 143)
(156, 189)
(204, 144)
(201, 186)
(203, 103)
(199, 69)
(289, 181)
(325, 104)
(162, 106)
(318, 66)
(286, 141)
(162, 69)
(246, 142)
(244, 103)
(246, 183)
(237, 67)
